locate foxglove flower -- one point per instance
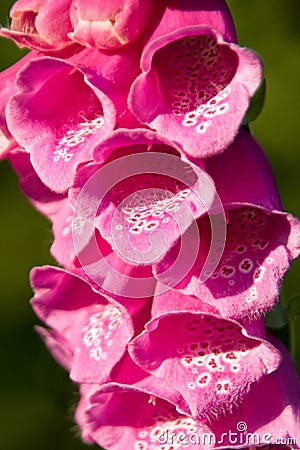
(109, 25)
(40, 24)
(63, 108)
(196, 84)
(204, 357)
(142, 213)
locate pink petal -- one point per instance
(112, 274)
(53, 22)
(174, 300)
(204, 357)
(100, 198)
(96, 328)
(58, 142)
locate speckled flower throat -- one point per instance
(195, 74)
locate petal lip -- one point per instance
(248, 328)
(45, 277)
(123, 137)
(152, 388)
(154, 45)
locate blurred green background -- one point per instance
(37, 400)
